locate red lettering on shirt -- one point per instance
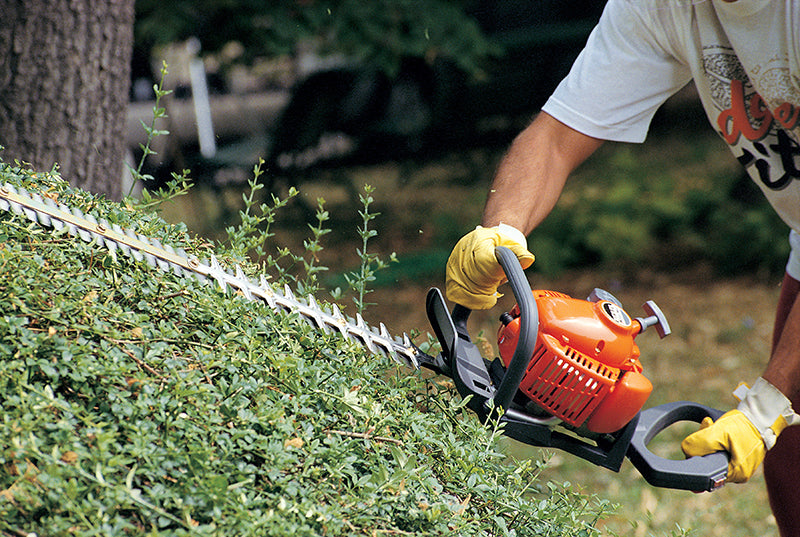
(787, 115)
(736, 120)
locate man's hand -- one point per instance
(733, 433)
(473, 272)
(745, 433)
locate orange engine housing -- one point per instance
(585, 368)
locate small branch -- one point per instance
(142, 364)
(365, 436)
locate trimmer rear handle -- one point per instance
(698, 474)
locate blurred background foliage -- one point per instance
(638, 212)
(379, 31)
(628, 206)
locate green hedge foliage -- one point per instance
(138, 403)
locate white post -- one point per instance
(202, 105)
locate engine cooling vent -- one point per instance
(565, 382)
(552, 294)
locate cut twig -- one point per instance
(365, 436)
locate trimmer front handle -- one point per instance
(529, 327)
(462, 359)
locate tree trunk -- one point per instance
(64, 77)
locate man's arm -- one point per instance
(533, 173)
(783, 369)
(527, 185)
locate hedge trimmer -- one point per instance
(568, 375)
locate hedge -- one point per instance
(139, 403)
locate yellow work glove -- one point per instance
(473, 272)
(745, 433)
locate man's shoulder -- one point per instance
(662, 20)
(656, 10)
(659, 5)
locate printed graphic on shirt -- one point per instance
(780, 91)
(764, 135)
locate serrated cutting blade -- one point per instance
(58, 216)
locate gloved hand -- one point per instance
(745, 433)
(473, 272)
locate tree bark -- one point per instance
(64, 77)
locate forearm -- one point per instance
(783, 369)
(526, 187)
(532, 174)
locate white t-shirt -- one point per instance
(744, 58)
